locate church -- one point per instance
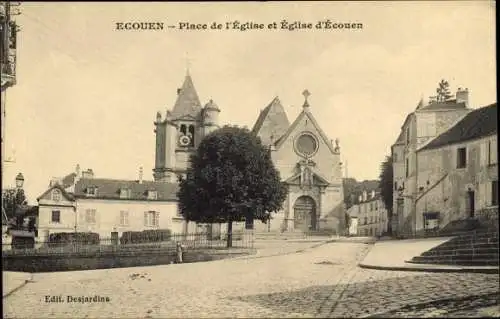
(308, 161)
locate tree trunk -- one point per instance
(229, 234)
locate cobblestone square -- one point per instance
(317, 282)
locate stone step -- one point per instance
(454, 258)
(465, 246)
(462, 241)
(475, 262)
(462, 251)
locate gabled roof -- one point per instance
(305, 113)
(110, 189)
(478, 123)
(187, 102)
(60, 187)
(272, 122)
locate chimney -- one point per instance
(140, 175)
(88, 173)
(462, 96)
(179, 91)
(365, 196)
(373, 194)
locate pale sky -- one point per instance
(89, 94)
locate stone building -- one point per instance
(421, 130)
(430, 119)
(309, 162)
(179, 133)
(458, 171)
(371, 215)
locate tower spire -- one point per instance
(188, 63)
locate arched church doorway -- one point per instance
(305, 214)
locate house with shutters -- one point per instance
(429, 120)
(444, 164)
(458, 171)
(109, 207)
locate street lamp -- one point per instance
(19, 181)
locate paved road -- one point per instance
(319, 282)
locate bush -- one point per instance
(146, 236)
(67, 238)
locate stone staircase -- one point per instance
(478, 247)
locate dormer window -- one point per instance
(125, 193)
(91, 191)
(56, 195)
(152, 194)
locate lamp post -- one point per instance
(19, 187)
(19, 181)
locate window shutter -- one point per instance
(81, 218)
(145, 218)
(483, 153)
(487, 194)
(157, 214)
(494, 147)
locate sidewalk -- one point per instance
(393, 254)
(13, 280)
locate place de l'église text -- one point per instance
(237, 25)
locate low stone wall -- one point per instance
(41, 263)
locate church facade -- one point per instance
(308, 161)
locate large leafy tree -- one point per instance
(386, 187)
(232, 178)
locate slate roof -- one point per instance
(272, 122)
(67, 195)
(187, 102)
(110, 189)
(478, 123)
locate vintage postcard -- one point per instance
(249, 159)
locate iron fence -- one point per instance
(190, 241)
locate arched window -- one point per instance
(191, 132)
(183, 129)
(56, 195)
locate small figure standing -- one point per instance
(180, 252)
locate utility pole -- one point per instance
(8, 46)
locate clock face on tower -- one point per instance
(306, 144)
(184, 140)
